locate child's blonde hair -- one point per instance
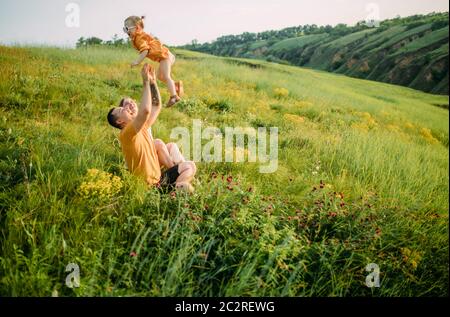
(136, 20)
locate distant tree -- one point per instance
(93, 41)
(81, 42)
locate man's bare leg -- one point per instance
(187, 171)
(163, 154)
(175, 153)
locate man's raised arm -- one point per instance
(156, 99)
(144, 110)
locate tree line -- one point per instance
(114, 42)
(227, 44)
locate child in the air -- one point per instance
(152, 48)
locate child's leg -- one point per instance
(175, 153)
(164, 74)
(163, 154)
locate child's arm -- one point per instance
(140, 58)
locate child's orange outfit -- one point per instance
(156, 51)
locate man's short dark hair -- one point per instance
(112, 119)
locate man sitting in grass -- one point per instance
(142, 156)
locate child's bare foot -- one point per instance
(173, 100)
(179, 88)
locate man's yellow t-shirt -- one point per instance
(140, 153)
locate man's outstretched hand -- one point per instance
(148, 74)
(145, 73)
(152, 74)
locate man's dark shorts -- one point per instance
(168, 179)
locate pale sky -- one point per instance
(180, 21)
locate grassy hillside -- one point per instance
(362, 178)
(410, 51)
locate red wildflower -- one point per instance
(229, 179)
(133, 254)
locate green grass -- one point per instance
(350, 38)
(298, 42)
(404, 35)
(427, 40)
(362, 178)
(257, 45)
(379, 38)
(439, 52)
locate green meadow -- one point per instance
(362, 178)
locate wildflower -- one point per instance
(99, 184)
(281, 92)
(133, 254)
(411, 257)
(229, 179)
(332, 214)
(378, 232)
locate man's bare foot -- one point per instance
(184, 186)
(173, 100)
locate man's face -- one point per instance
(126, 112)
